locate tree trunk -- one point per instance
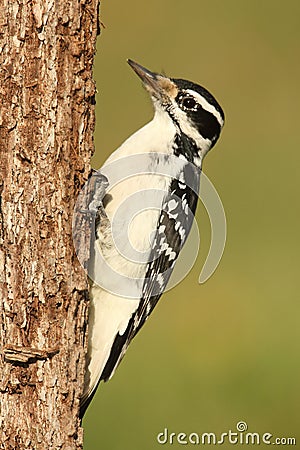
(46, 142)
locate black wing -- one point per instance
(173, 228)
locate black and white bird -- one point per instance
(162, 161)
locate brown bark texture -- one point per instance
(47, 120)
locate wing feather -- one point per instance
(173, 227)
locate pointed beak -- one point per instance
(159, 87)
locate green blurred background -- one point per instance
(213, 354)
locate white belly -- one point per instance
(134, 211)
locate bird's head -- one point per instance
(194, 111)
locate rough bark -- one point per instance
(46, 142)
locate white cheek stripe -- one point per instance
(205, 105)
(187, 127)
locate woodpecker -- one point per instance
(164, 159)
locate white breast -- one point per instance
(133, 233)
(136, 200)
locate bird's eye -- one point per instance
(188, 102)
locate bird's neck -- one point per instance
(186, 148)
(186, 142)
(161, 135)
